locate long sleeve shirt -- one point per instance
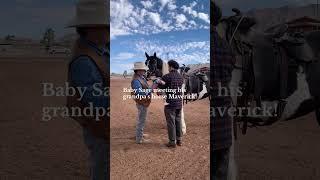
(221, 62)
(173, 81)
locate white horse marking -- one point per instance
(301, 94)
(235, 81)
(204, 91)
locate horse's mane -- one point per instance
(164, 68)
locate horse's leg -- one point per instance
(232, 167)
(183, 123)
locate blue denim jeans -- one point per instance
(141, 119)
(98, 156)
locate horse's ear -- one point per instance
(155, 54)
(147, 55)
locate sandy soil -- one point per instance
(154, 160)
(285, 151)
(32, 149)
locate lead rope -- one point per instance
(233, 34)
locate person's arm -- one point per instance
(165, 78)
(137, 85)
(85, 74)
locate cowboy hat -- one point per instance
(91, 13)
(139, 66)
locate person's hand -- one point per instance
(158, 81)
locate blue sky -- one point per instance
(173, 29)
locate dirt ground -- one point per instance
(32, 149)
(285, 151)
(154, 160)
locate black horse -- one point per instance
(155, 65)
(196, 82)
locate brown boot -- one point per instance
(171, 145)
(179, 142)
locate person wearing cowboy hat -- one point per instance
(89, 68)
(142, 96)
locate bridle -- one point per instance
(239, 45)
(154, 69)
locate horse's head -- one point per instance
(154, 64)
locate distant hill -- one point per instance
(272, 16)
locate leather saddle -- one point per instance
(202, 76)
(195, 79)
(277, 31)
(273, 68)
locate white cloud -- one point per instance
(172, 6)
(120, 10)
(193, 4)
(155, 17)
(181, 18)
(193, 23)
(204, 17)
(163, 3)
(127, 18)
(186, 52)
(189, 9)
(123, 56)
(169, 3)
(147, 4)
